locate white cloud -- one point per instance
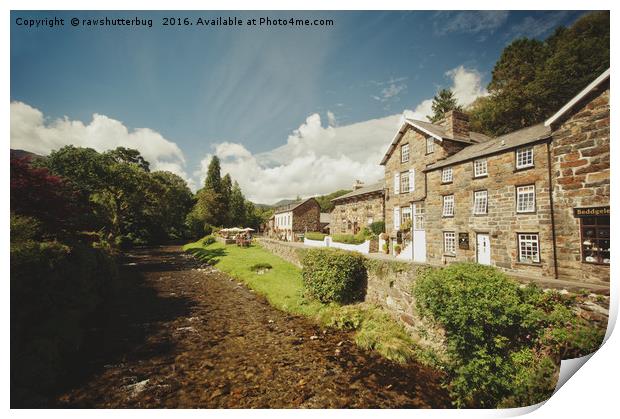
(31, 131)
(469, 21)
(466, 85)
(318, 159)
(315, 160)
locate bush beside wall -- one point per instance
(333, 275)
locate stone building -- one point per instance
(297, 218)
(534, 202)
(358, 208)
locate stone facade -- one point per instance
(569, 173)
(357, 210)
(580, 168)
(295, 219)
(502, 222)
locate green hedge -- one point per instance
(314, 235)
(504, 341)
(359, 238)
(333, 275)
(208, 240)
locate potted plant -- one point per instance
(397, 249)
(386, 248)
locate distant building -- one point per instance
(295, 219)
(358, 208)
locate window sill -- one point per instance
(447, 183)
(481, 176)
(535, 264)
(481, 214)
(450, 255)
(521, 169)
(525, 212)
(447, 216)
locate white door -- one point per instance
(483, 249)
(419, 235)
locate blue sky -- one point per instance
(256, 96)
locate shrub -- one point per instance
(314, 235)
(385, 247)
(333, 275)
(501, 338)
(397, 248)
(377, 227)
(208, 240)
(54, 291)
(262, 266)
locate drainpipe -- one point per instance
(553, 238)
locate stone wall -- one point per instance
(291, 252)
(502, 222)
(356, 212)
(581, 172)
(307, 217)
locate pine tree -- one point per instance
(443, 102)
(227, 218)
(237, 206)
(210, 206)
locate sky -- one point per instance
(291, 111)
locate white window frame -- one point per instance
(528, 247)
(405, 214)
(404, 153)
(481, 168)
(404, 181)
(396, 183)
(396, 218)
(448, 206)
(418, 216)
(430, 145)
(411, 180)
(524, 157)
(481, 202)
(449, 242)
(522, 197)
(446, 174)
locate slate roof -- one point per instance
(434, 130)
(375, 187)
(505, 142)
(292, 206)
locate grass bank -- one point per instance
(282, 285)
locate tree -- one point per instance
(211, 205)
(227, 220)
(533, 79)
(443, 102)
(237, 206)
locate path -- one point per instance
(188, 336)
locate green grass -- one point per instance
(283, 287)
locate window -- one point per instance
(404, 153)
(480, 202)
(595, 239)
(480, 168)
(404, 182)
(529, 251)
(525, 157)
(430, 145)
(405, 214)
(449, 242)
(446, 175)
(448, 206)
(526, 198)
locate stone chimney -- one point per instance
(456, 124)
(358, 184)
